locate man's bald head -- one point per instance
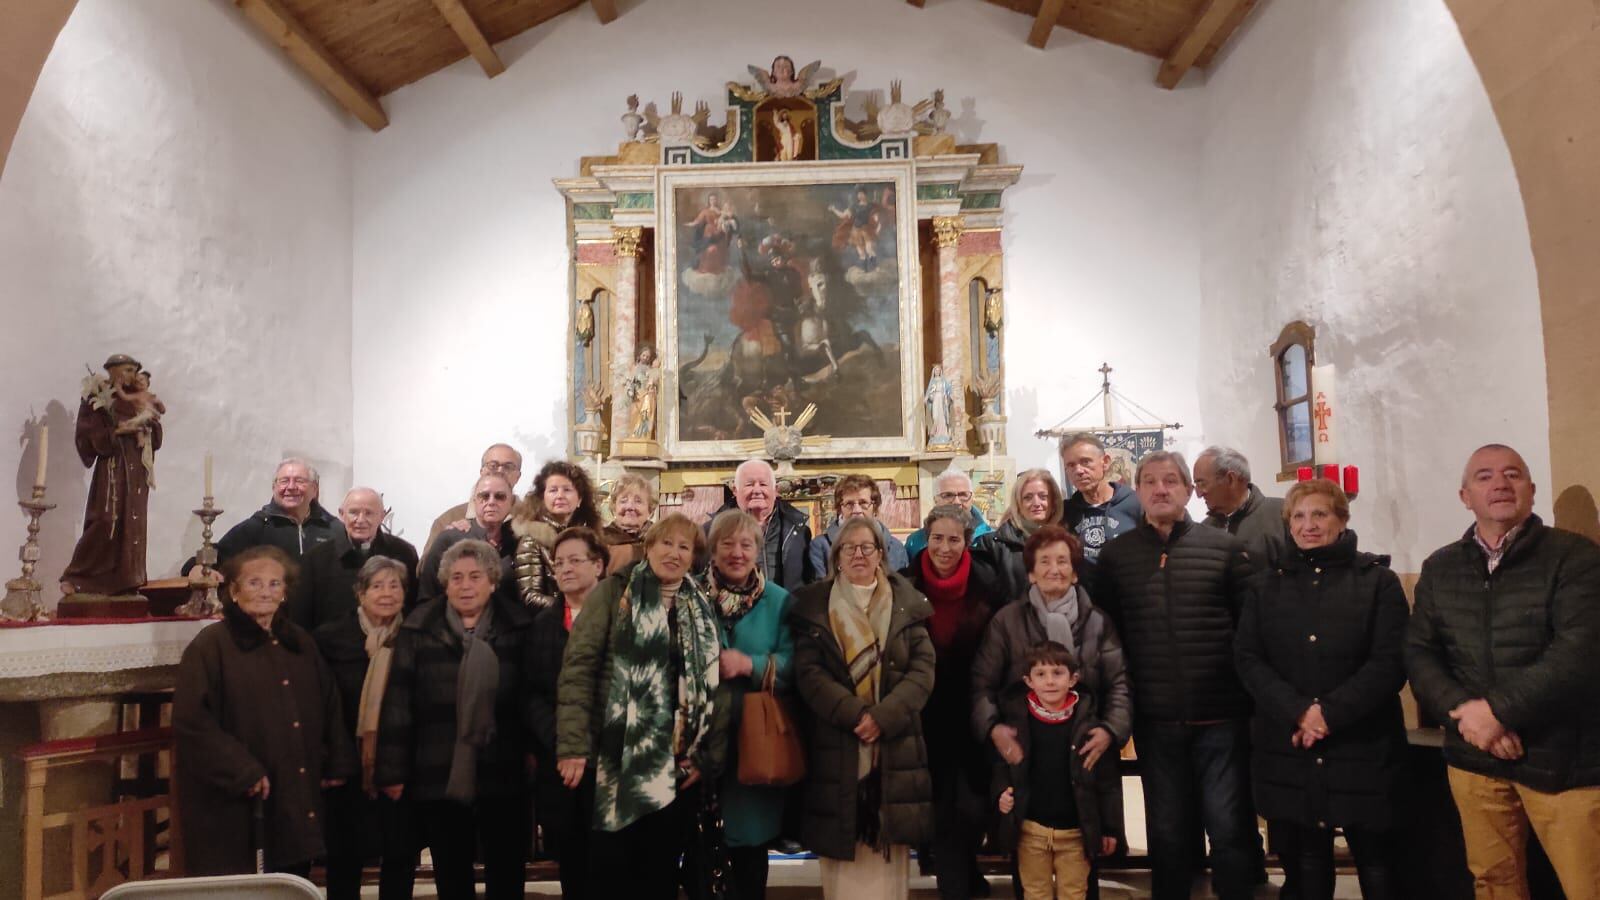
(362, 513)
(1498, 488)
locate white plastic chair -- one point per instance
(272, 886)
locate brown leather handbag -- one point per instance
(769, 746)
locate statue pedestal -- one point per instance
(103, 606)
(631, 449)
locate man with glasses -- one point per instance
(493, 499)
(293, 521)
(499, 459)
(855, 497)
(953, 487)
(325, 590)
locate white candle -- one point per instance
(44, 454)
(208, 474)
(1325, 415)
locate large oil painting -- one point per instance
(787, 286)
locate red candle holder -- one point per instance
(1352, 481)
(1304, 473)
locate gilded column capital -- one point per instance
(625, 240)
(947, 230)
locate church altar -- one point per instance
(822, 291)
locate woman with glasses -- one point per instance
(1036, 501)
(855, 497)
(562, 497)
(864, 665)
(493, 497)
(578, 560)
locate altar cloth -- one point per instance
(56, 648)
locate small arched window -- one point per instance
(1293, 355)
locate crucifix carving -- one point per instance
(782, 415)
(1322, 412)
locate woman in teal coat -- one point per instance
(750, 613)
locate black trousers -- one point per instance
(749, 875)
(360, 829)
(564, 817)
(640, 862)
(454, 831)
(957, 810)
(1307, 851)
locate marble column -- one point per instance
(624, 324)
(953, 321)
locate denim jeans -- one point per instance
(1179, 763)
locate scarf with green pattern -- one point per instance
(652, 719)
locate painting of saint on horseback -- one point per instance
(787, 294)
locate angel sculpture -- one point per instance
(782, 80)
(780, 440)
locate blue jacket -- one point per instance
(1097, 526)
(753, 815)
(821, 548)
(917, 540)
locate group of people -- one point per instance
(976, 682)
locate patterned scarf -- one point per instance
(650, 718)
(733, 601)
(380, 650)
(859, 618)
(1052, 716)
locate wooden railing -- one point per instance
(93, 847)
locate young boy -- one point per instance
(1054, 813)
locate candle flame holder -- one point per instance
(203, 601)
(22, 600)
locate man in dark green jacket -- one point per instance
(1502, 647)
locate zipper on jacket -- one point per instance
(1172, 629)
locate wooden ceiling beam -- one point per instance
(462, 23)
(605, 9)
(1045, 22)
(282, 28)
(1195, 38)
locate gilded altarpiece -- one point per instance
(821, 291)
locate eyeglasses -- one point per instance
(493, 495)
(856, 504)
(285, 481)
(495, 468)
(857, 549)
(567, 562)
(954, 496)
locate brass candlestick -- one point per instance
(22, 594)
(203, 601)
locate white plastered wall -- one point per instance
(179, 192)
(1353, 175)
(461, 258)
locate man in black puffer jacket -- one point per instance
(1174, 589)
(1502, 649)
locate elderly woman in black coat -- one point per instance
(453, 732)
(256, 716)
(1319, 646)
(358, 647)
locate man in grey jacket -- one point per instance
(1237, 506)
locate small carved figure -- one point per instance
(782, 80)
(939, 405)
(584, 326)
(631, 120)
(139, 410)
(939, 117)
(643, 390)
(789, 138)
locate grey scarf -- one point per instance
(477, 681)
(1058, 618)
